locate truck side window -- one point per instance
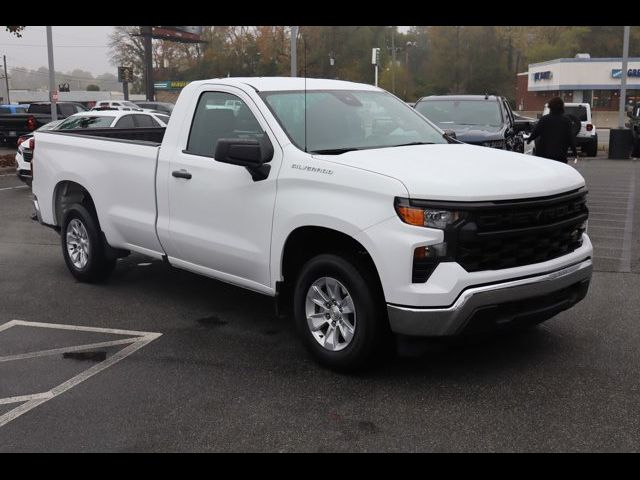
(220, 115)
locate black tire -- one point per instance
(592, 148)
(371, 337)
(98, 267)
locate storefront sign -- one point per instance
(170, 84)
(537, 76)
(632, 72)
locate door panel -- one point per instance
(220, 218)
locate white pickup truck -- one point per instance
(337, 199)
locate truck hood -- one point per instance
(460, 172)
(474, 133)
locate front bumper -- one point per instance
(497, 305)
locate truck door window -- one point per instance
(220, 115)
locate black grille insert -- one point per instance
(512, 234)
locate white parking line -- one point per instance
(625, 258)
(137, 340)
(77, 348)
(13, 188)
(25, 398)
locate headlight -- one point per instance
(495, 144)
(426, 217)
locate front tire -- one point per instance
(82, 247)
(339, 313)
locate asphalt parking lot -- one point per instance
(158, 359)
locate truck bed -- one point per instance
(117, 167)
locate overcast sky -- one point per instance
(85, 48)
(74, 47)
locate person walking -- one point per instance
(555, 134)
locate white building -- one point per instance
(581, 79)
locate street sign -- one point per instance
(125, 74)
(375, 56)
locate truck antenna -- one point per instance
(304, 39)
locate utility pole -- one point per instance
(294, 51)
(393, 60)
(6, 77)
(623, 85)
(53, 94)
(146, 33)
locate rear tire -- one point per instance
(82, 247)
(339, 314)
(592, 148)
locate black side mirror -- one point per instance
(450, 134)
(250, 153)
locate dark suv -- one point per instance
(485, 120)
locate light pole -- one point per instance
(393, 60)
(623, 85)
(6, 78)
(294, 51)
(52, 76)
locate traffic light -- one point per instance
(125, 74)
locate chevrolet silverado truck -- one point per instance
(337, 199)
(38, 114)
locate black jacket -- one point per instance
(555, 137)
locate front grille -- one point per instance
(515, 233)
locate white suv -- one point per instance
(587, 136)
(119, 105)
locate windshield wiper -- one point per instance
(334, 151)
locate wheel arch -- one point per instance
(305, 242)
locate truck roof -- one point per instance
(265, 84)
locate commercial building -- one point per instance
(580, 79)
(88, 98)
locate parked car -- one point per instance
(13, 108)
(118, 104)
(485, 120)
(114, 118)
(164, 107)
(358, 227)
(24, 155)
(584, 129)
(38, 114)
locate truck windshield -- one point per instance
(461, 112)
(337, 121)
